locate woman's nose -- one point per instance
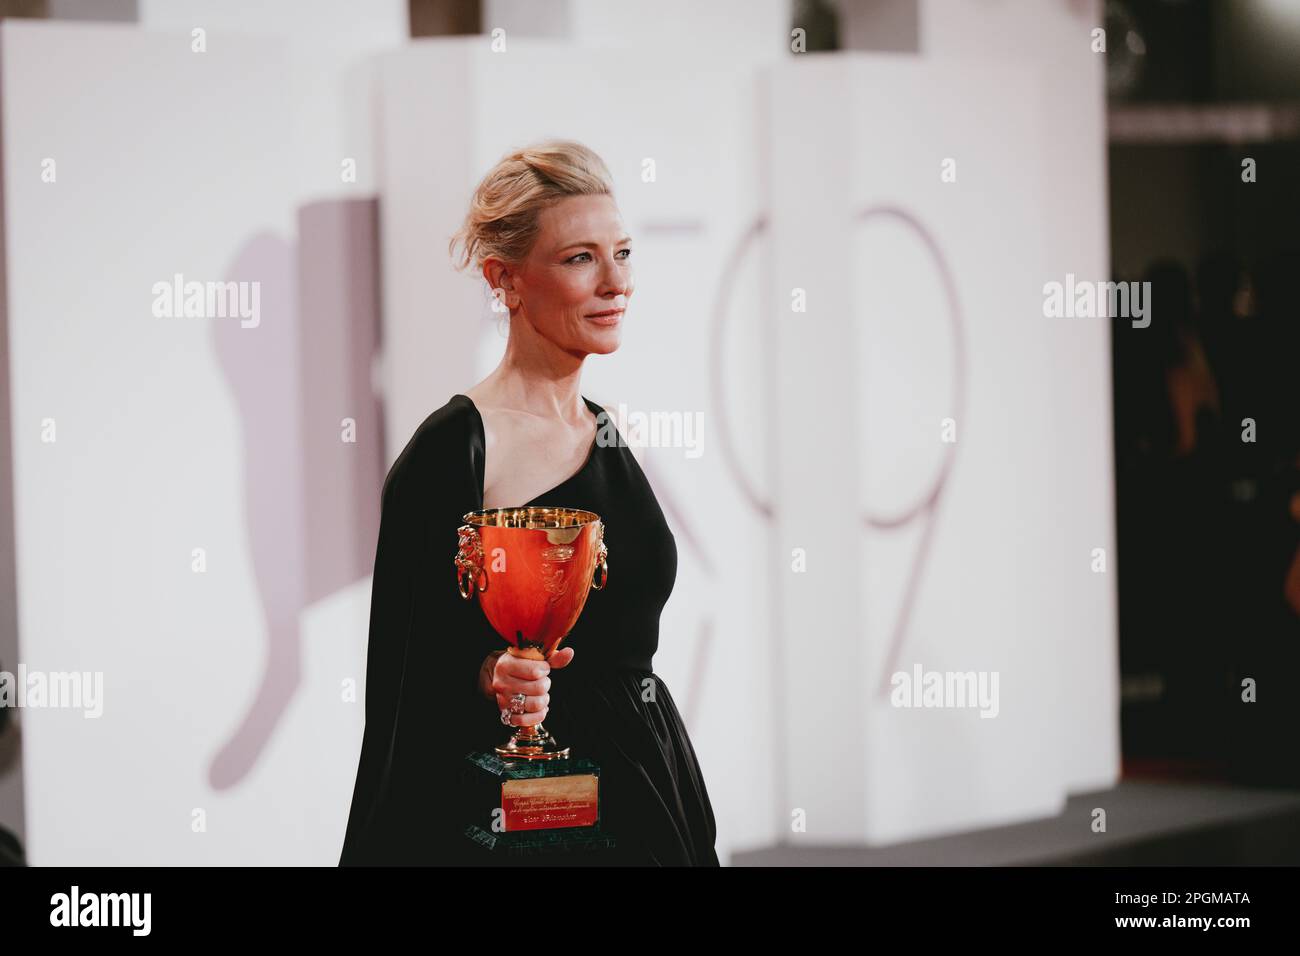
(616, 281)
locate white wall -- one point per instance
(1053, 39)
(327, 66)
(172, 162)
(737, 33)
(863, 381)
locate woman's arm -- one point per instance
(423, 707)
(392, 606)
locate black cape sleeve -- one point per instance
(423, 710)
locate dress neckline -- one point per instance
(595, 409)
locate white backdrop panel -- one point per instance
(864, 380)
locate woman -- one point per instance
(544, 231)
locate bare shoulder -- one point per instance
(502, 427)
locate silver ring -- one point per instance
(505, 718)
(517, 704)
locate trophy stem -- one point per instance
(532, 743)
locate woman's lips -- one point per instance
(611, 317)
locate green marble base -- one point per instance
(537, 843)
(508, 804)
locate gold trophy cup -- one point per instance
(532, 569)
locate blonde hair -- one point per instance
(504, 211)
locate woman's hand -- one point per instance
(517, 675)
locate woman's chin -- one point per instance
(602, 343)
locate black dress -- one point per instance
(423, 709)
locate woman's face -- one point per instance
(578, 267)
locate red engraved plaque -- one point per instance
(545, 803)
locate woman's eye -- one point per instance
(572, 259)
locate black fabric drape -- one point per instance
(423, 710)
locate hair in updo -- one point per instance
(503, 213)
